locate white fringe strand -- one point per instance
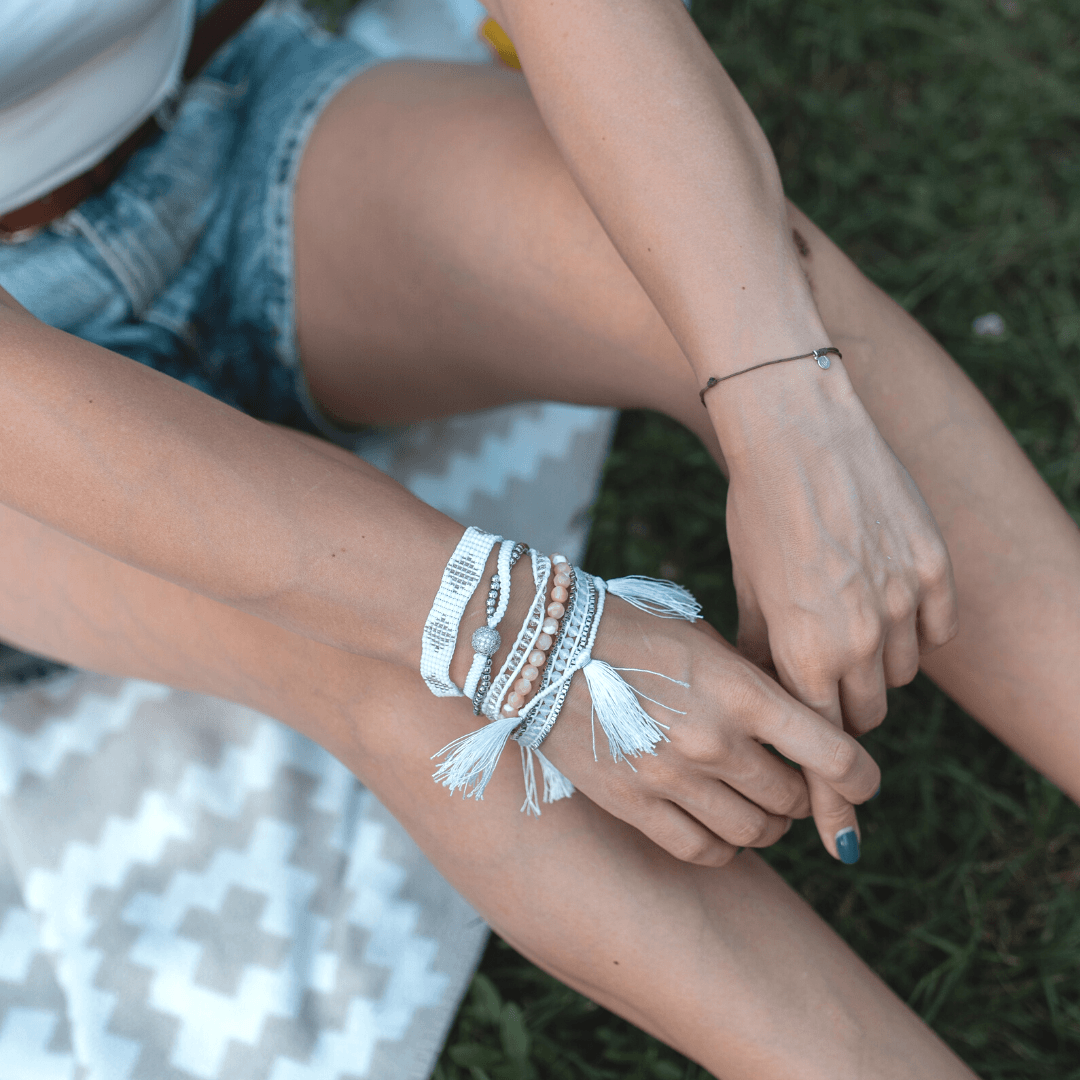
(664, 599)
(471, 759)
(556, 786)
(530, 805)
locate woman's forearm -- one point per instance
(676, 168)
(151, 472)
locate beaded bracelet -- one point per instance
(566, 625)
(525, 644)
(529, 673)
(544, 709)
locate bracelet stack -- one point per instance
(524, 700)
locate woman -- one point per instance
(613, 222)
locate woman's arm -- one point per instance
(152, 472)
(671, 160)
(841, 572)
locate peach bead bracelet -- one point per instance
(530, 674)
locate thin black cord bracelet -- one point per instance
(820, 355)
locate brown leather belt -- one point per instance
(211, 32)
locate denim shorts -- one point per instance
(185, 262)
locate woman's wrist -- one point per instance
(756, 409)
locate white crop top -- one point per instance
(76, 78)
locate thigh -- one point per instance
(446, 260)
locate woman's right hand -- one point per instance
(714, 786)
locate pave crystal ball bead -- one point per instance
(486, 641)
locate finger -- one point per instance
(765, 780)
(938, 616)
(817, 743)
(835, 819)
(900, 657)
(728, 815)
(818, 691)
(862, 697)
(682, 835)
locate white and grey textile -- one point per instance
(189, 889)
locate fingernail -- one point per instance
(847, 846)
(875, 795)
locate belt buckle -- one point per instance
(19, 236)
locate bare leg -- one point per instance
(446, 261)
(728, 965)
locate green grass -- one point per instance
(938, 143)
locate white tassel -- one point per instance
(471, 759)
(664, 599)
(630, 730)
(556, 786)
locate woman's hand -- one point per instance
(842, 576)
(714, 786)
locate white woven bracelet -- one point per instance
(460, 578)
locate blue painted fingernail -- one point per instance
(875, 795)
(847, 846)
